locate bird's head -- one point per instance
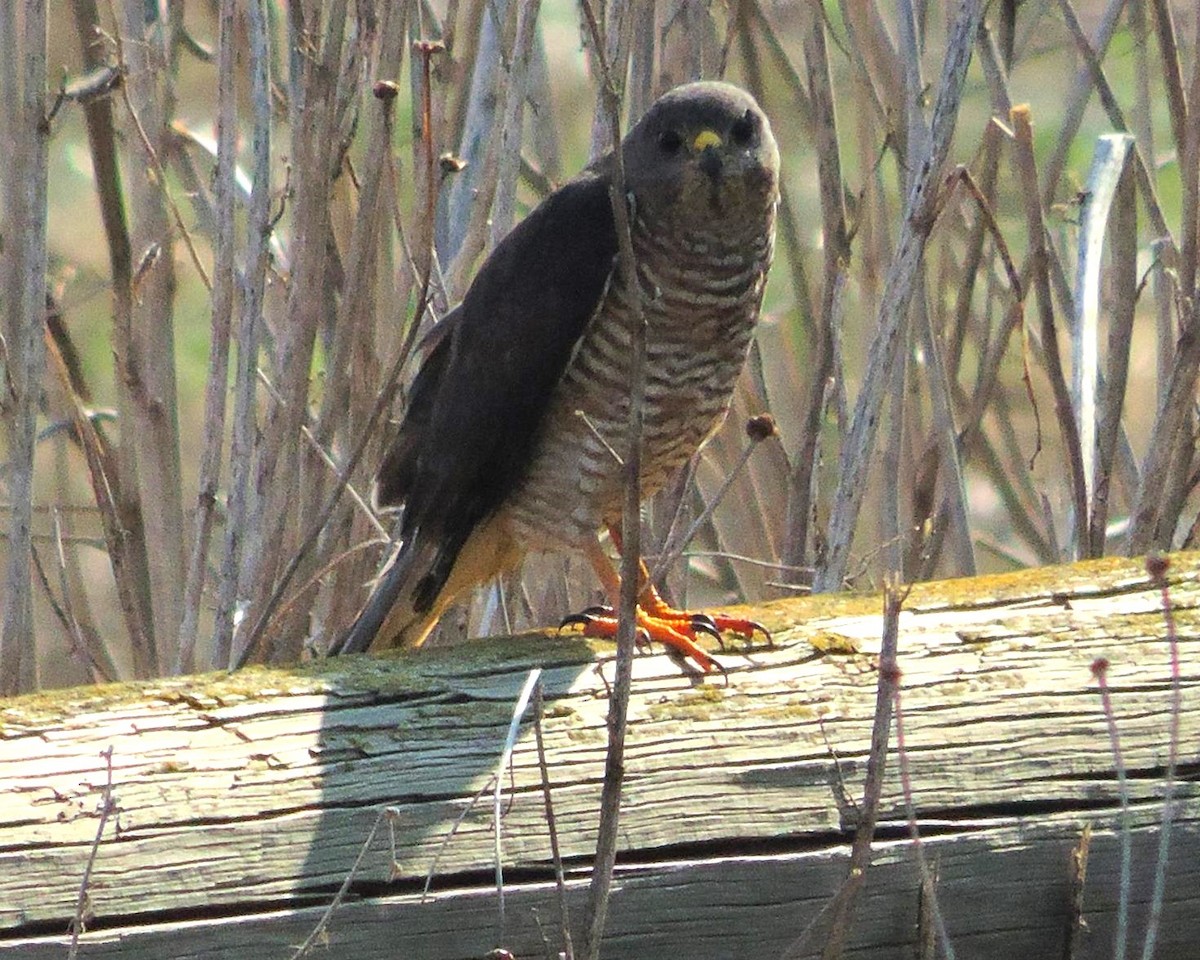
(703, 149)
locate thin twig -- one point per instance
(954, 501)
(107, 806)
(860, 852)
(1141, 167)
(444, 844)
(926, 926)
(319, 930)
(1077, 101)
(927, 881)
(1148, 527)
(87, 643)
(156, 162)
(673, 549)
(614, 762)
(1124, 894)
(1077, 877)
(102, 474)
(317, 577)
(560, 883)
(1157, 566)
(510, 743)
(217, 383)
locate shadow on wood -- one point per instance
(243, 799)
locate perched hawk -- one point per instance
(509, 441)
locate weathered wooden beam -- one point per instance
(243, 799)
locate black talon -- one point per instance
(703, 623)
(756, 627)
(585, 617)
(642, 641)
(575, 620)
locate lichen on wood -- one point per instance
(246, 796)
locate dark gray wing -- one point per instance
(479, 398)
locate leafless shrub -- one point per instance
(259, 291)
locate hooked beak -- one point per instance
(706, 144)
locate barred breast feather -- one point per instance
(701, 298)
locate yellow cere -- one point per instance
(705, 138)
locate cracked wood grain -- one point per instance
(242, 798)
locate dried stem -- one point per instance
(23, 276)
(614, 761)
(148, 452)
(1124, 894)
(919, 215)
(1157, 567)
(1077, 877)
(215, 389)
(317, 934)
(836, 259)
(927, 879)
(860, 851)
(1124, 285)
(1149, 530)
(273, 510)
(107, 807)
(560, 884)
(1039, 259)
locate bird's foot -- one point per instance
(676, 629)
(714, 624)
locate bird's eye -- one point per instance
(670, 141)
(742, 130)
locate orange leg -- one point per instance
(657, 620)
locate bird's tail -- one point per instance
(423, 577)
(398, 612)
